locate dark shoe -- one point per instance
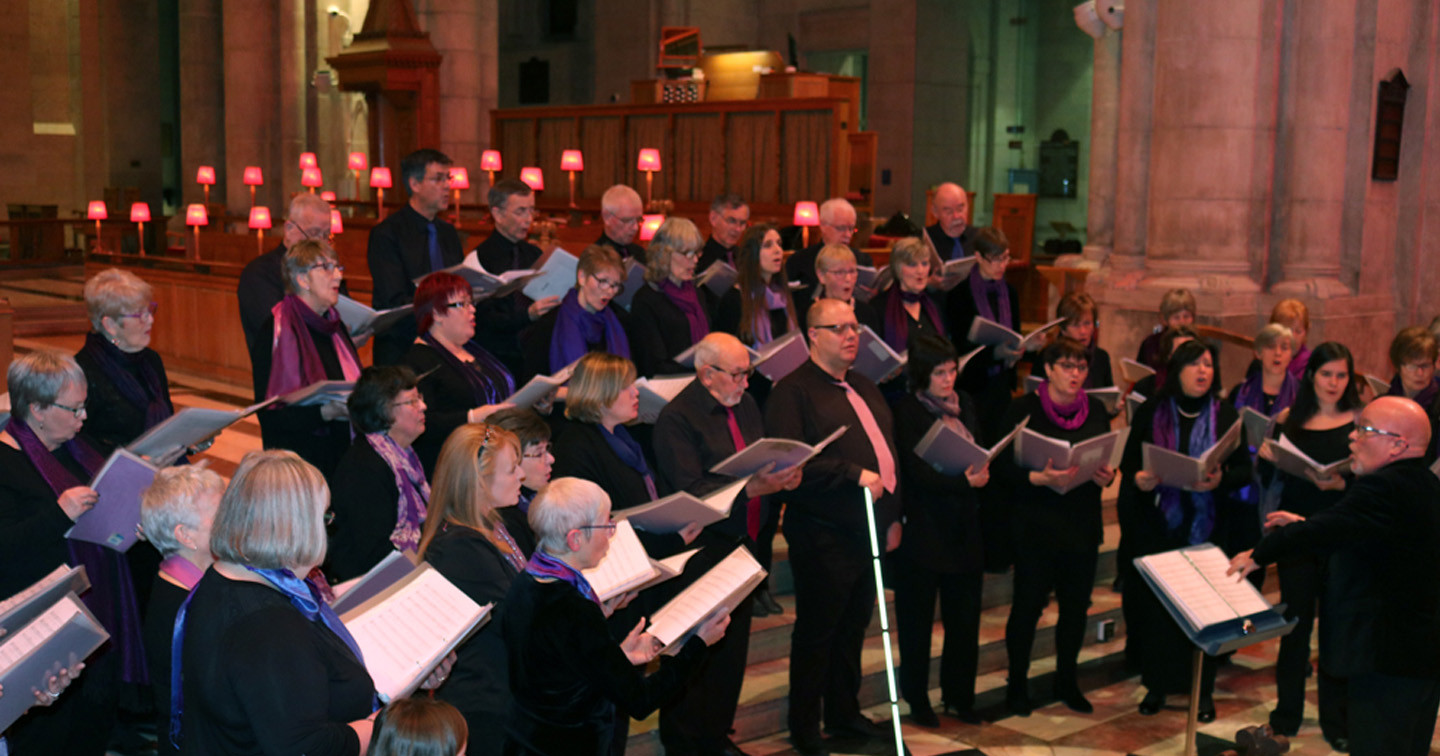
(809, 745)
(1152, 704)
(921, 714)
(757, 607)
(860, 727)
(1281, 727)
(1340, 745)
(966, 715)
(1073, 698)
(767, 600)
(1207, 710)
(1017, 700)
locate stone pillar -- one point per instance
(1132, 164)
(252, 132)
(1104, 131)
(466, 33)
(202, 98)
(891, 106)
(1309, 193)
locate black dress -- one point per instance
(568, 674)
(479, 683)
(940, 553)
(259, 678)
(165, 600)
(304, 430)
(365, 500)
(448, 396)
(658, 330)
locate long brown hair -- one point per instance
(752, 283)
(457, 497)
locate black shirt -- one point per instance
(692, 435)
(399, 253)
(942, 512)
(945, 244)
(632, 250)
(498, 322)
(658, 331)
(713, 252)
(1301, 495)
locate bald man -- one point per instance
(952, 233)
(621, 213)
(1380, 613)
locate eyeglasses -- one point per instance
(693, 254)
(1073, 367)
(1370, 430)
(735, 375)
(609, 527)
(839, 329)
(537, 452)
(627, 221)
(317, 234)
(850, 229)
(1418, 366)
(606, 283)
(409, 402)
(149, 310)
(1005, 258)
(461, 305)
(76, 411)
(329, 266)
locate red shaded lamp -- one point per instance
(307, 160)
(533, 178)
(649, 224)
(380, 181)
(96, 211)
(205, 176)
(336, 226)
(140, 213)
(328, 196)
(259, 220)
(311, 177)
(253, 178)
(357, 163)
(490, 163)
(459, 179)
(572, 161)
(807, 214)
(649, 162)
(195, 216)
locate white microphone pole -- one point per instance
(876, 553)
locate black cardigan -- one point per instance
(304, 430)
(941, 512)
(658, 330)
(448, 401)
(581, 452)
(114, 422)
(960, 311)
(365, 500)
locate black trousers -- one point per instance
(1167, 657)
(1392, 716)
(1071, 575)
(916, 589)
(1301, 583)
(699, 721)
(834, 600)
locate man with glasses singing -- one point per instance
(621, 213)
(1380, 615)
(837, 226)
(498, 321)
(262, 284)
(410, 243)
(729, 217)
(827, 527)
(711, 419)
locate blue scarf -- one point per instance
(629, 452)
(490, 382)
(577, 328)
(1164, 430)
(543, 565)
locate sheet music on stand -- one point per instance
(1219, 613)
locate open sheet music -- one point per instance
(26, 605)
(724, 586)
(1194, 581)
(955, 271)
(1133, 372)
(1289, 458)
(115, 518)
(951, 453)
(718, 278)
(780, 357)
(362, 318)
(483, 283)
(657, 392)
(319, 392)
(404, 632)
(634, 280)
(189, 427)
(387, 572)
(1181, 471)
(875, 359)
(626, 566)
(537, 387)
(672, 513)
(1033, 450)
(60, 636)
(784, 452)
(1257, 426)
(558, 276)
(988, 332)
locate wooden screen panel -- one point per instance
(602, 139)
(517, 146)
(552, 137)
(699, 157)
(805, 175)
(752, 156)
(644, 131)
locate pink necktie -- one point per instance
(872, 429)
(752, 507)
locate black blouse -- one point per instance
(942, 515)
(658, 330)
(115, 422)
(365, 500)
(1300, 495)
(448, 398)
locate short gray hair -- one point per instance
(38, 378)
(567, 504)
(1271, 335)
(114, 292)
(305, 255)
(675, 236)
(829, 207)
(174, 499)
(617, 194)
(727, 201)
(707, 350)
(273, 513)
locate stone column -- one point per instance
(1104, 131)
(1132, 163)
(202, 98)
(466, 33)
(252, 101)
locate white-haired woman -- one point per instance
(669, 313)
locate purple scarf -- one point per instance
(543, 565)
(490, 382)
(629, 452)
(1426, 396)
(947, 409)
(414, 490)
(897, 320)
(1299, 362)
(1164, 431)
(687, 299)
(577, 328)
(774, 300)
(1077, 410)
(981, 288)
(147, 390)
(1252, 393)
(295, 363)
(112, 591)
(182, 571)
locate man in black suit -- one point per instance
(262, 282)
(952, 233)
(621, 214)
(499, 321)
(409, 244)
(1380, 615)
(729, 217)
(837, 226)
(827, 527)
